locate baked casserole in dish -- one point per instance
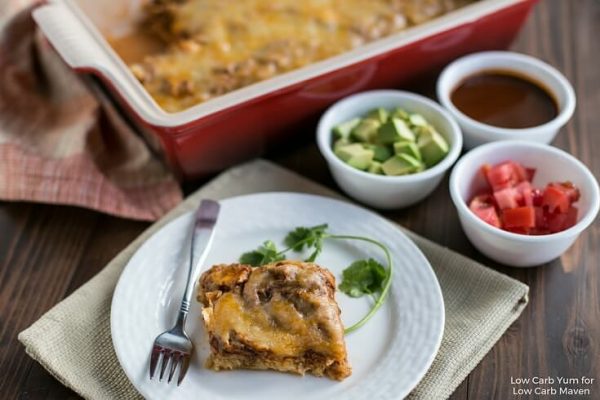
(251, 106)
(215, 47)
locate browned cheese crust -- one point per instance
(214, 47)
(280, 316)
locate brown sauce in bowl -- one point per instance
(505, 99)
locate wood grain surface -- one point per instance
(46, 252)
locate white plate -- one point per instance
(389, 355)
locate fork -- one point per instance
(173, 348)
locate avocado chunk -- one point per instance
(400, 113)
(345, 152)
(417, 120)
(366, 130)
(409, 148)
(340, 143)
(433, 147)
(355, 155)
(381, 153)
(401, 164)
(375, 168)
(343, 130)
(378, 114)
(393, 131)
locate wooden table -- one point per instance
(46, 252)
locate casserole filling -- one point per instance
(280, 316)
(214, 47)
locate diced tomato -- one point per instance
(521, 231)
(485, 168)
(530, 173)
(506, 198)
(514, 205)
(483, 207)
(571, 217)
(519, 217)
(555, 199)
(556, 221)
(525, 193)
(538, 197)
(570, 190)
(540, 218)
(501, 176)
(519, 172)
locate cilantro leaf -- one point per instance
(305, 237)
(363, 277)
(264, 254)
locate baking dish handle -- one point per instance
(67, 34)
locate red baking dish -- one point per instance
(228, 129)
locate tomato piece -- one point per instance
(556, 221)
(555, 199)
(483, 207)
(521, 231)
(485, 168)
(519, 172)
(541, 221)
(530, 173)
(519, 217)
(569, 189)
(538, 197)
(525, 193)
(571, 218)
(506, 198)
(501, 176)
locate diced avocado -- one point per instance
(340, 143)
(375, 168)
(433, 147)
(401, 164)
(343, 130)
(409, 148)
(393, 131)
(379, 114)
(366, 130)
(381, 152)
(417, 120)
(361, 161)
(355, 155)
(400, 113)
(346, 152)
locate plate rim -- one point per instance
(396, 227)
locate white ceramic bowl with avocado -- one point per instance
(388, 148)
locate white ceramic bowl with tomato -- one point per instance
(551, 165)
(380, 191)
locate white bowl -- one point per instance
(387, 192)
(552, 165)
(476, 133)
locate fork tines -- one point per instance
(168, 359)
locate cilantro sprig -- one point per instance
(361, 278)
(264, 254)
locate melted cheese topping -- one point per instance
(219, 46)
(277, 327)
(284, 309)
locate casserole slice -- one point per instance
(281, 316)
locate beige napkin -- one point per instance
(73, 340)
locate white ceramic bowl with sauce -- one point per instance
(379, 191)
(476, 133)
(551, 165)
